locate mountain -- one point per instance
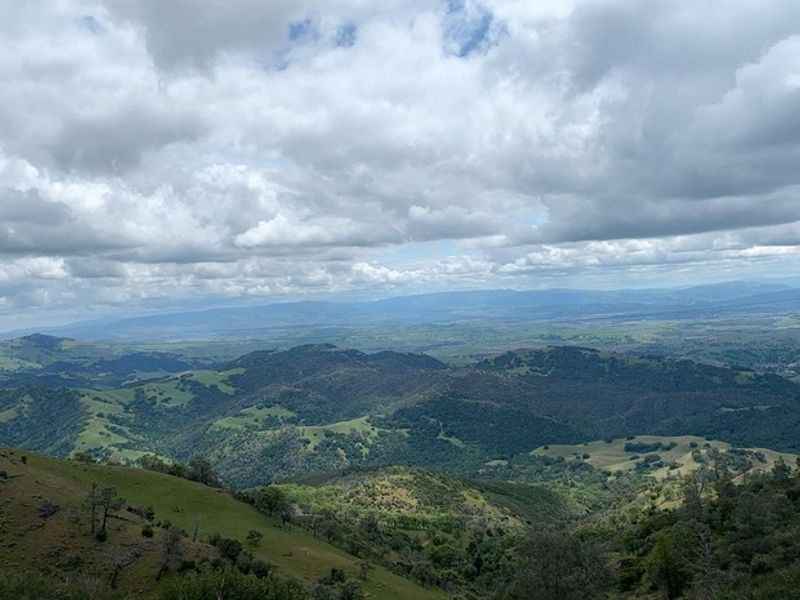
(276, 415)
(60, 361)
(733, 298)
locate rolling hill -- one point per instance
(59, 543)
(276, 415)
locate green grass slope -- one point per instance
(182, 502)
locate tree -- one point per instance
(171, 551)
(693, 488)
(780, 470)
(558, 565)
(200, 470)
(272, 500)
(364, 567)
(228, 547)
(108, 501)
(351, 590)
(680, 555)
(91, 503)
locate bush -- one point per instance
(83, 457)
(228, 547)
(146, 512)
(47, 509)
(254, 537)
(642, 447)
(186, 566)
(232, 585)
(260, 568)
(147, 531)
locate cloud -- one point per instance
(98, 143)
(577, 219)
(29, 224)
(450, 222)
(221, 149)
(283, 231)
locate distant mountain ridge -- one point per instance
(500, 305)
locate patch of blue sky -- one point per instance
(469, 27)
(90, 24)
(413, 252)
(303, 31)
(346, 35)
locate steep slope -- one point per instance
(58, 541)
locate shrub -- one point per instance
(47, 509)
(642, 447)
(254, 537)
(260, 568)
(228, 547)
(83, 457)
(231, 584)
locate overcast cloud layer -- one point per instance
(154, 152)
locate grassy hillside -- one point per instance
(26, 539)
(677, 455)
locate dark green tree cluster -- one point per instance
(727, 541)
(232, 584)
(199, 469)
(558, 564)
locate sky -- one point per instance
(185, 153)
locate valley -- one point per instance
(397, 474)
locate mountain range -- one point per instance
(275, 415)
(728, 299)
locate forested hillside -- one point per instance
(274, 415)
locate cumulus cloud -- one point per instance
(166, 150)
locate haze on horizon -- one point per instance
(187, 154)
